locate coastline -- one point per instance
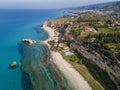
(50, 32)
(74, 77)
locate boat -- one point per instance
(13, 65)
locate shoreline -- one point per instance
(50, 31)
(75, 78)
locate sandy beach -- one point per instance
(50, 32)
(76, 79)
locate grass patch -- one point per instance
(100, 30)
(84, 34)
(104, 30)
(108, 30)
(72, 58)
(63, 20)
(113, 47)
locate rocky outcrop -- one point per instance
(29, 41)
(13, 65)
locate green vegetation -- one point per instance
(114, 6)
(108, 44)
(82, 69)
(85, 34)
(107, 37)
(101, 76)
(110, 6)
(108, 30)
(113, 47)
(104, 28)
(97, 78)
(72, 58)
(115, 50)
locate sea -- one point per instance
(34, 71)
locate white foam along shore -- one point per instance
(76, 79)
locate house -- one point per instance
(63, 46)
(68, 53)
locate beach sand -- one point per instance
(74, 77)
(50, 32)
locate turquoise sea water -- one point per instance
(14, 26)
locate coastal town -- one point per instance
(60, 45)
(75, 44)
(57, 50)
(81, 37)
(85, 42)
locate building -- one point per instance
(63, 46)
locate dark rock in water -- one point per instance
(41, 71)
(29, 41)
(13, 65)
(39, 28)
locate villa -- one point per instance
(63, 46)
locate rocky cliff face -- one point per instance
(102, 61)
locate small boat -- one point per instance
(13, 65)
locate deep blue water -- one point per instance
(14, 26)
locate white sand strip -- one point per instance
(70, 73)
(76, 79)
(50, 32)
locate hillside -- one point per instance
(110, 6)
(93, 36)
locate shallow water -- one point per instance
(40, 71)
(14, 26)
